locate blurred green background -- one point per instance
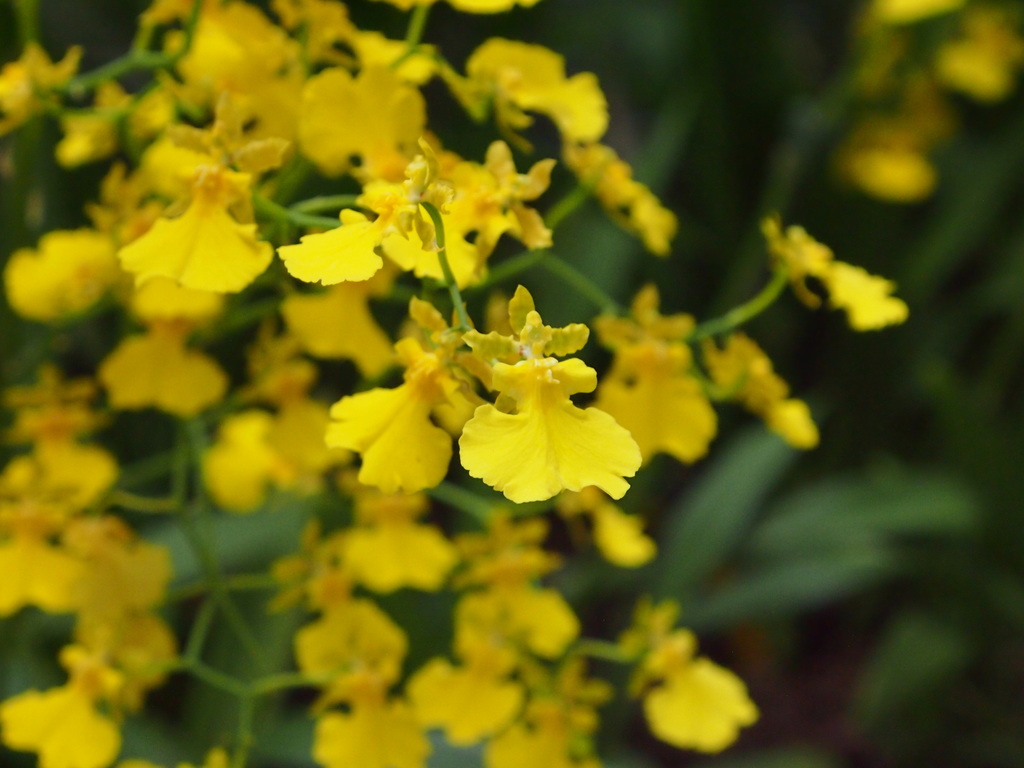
(870, 592)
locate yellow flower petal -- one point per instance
(620, 537)
(344, 253)
(391, 118)
(865, 297)
(36, 573)
(701, 707)
(237, 467)
(204, 248)
(469, 704)
(372, 735)
(662, 406)
(67, 274)
(550, 445)
(338, 323)
(544, 619)
(401, 448)
(62, 726)
(389, 556)
(157, 370)
(791, 419)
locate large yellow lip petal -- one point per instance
(534, 454)
(204, 248)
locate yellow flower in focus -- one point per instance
(520, 78)
(70, 272)
(402, 450)
(548, 444)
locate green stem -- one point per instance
(446, 270)
(135, 60)
(147, 504)
(243, 735)
(282, 682)
(217, 679)
(745, 312)
(28, 20)
(144, 470)
(510, 268)
(200, 630)
(465, 501)
(564, 207)
(417, 24)
(324, 203)
(240, 582)
(242, 318)
(581, 283)
(271, 210)
(602, 649)
(208, 557)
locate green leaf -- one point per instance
(789, 588)
(917, 658)
(706, 526)
(841, 512)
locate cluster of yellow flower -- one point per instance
(905, 112)
(242, 111)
